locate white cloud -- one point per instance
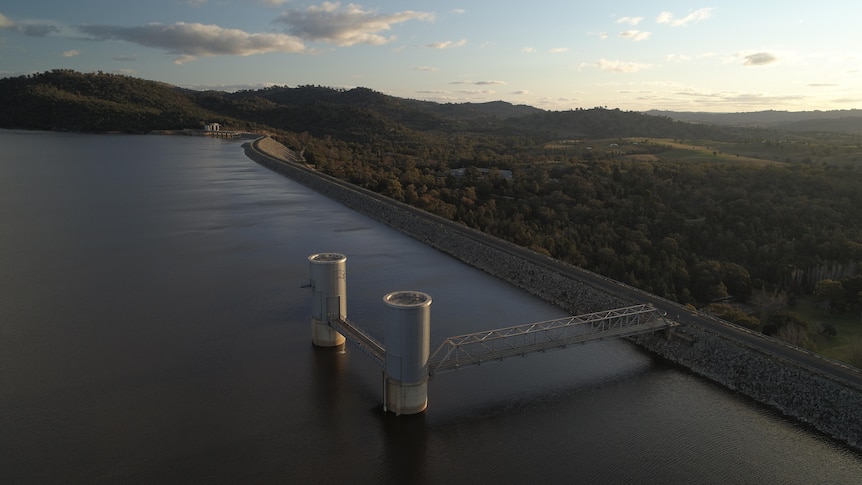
(629, 20)
(458, 10)
(447, 44)
(345, 26)
(635, 35)
(71, 53)
(620, 66)
(528, 50)
(696, 16)
(189, 41)
(559, 50)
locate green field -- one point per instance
(848, 325)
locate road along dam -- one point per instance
(823, 394)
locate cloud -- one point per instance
(696, 16)
(189, 41)
(125, 58)
(478, 83)
(635, 35)
(476, 91)
(629, 20)
(71, 53)
(448, 44)
(521, 92)
(345, 26)
(620, 66)
(29, 29)
(821, 85)
(528, 50)
(559, 50)
(425, 68)
(458, 10)
(759, 59)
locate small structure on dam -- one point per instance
(406, 359)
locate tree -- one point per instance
(733, 314)
(832, 293)
(737, 280)
(788, 326)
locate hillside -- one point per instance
(97, 102)
(837, 121)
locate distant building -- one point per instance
(212, 127)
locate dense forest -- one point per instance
(729, 218)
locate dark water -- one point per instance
(153, 329)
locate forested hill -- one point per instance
(835, 121)
(98, 102)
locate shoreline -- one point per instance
(831, 407)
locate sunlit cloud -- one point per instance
(448, 44)
(5, 23)
(696, 16)
(190, 41)
(629, 20)
(32, 29)
(620, 66)
(635, 35)
(347, 25)
(71, 53)
(476, 91)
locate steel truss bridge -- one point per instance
(495, 345)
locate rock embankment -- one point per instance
(832, 407)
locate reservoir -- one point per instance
(154, 328)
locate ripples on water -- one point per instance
(154, 329)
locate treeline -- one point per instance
(694, 233)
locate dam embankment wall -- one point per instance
(830, 406)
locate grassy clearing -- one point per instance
(707, 151)
(848, 325)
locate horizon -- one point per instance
(736, 58)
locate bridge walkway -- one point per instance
(495, 345)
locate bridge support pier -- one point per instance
(407, 336)
(328, 281)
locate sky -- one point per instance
(725, 56)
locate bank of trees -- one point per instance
(694, 233)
